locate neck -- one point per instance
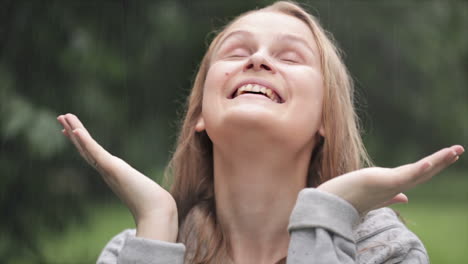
(255, 193)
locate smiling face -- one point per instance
(275, 47)
(264, 76)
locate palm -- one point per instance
(144, 197)
(370, 188)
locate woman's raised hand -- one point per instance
(153, 208)
(372, 188)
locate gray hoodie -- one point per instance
(323, 229)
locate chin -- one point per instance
(252, 127)
(252, 116)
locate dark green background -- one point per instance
(125, 68)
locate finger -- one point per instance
(441, 161)
(66, 127)
(69, 132)
(63, 119)
(444, 156)
(427, 167)
(399, 198)
(458, 149)
(74, 122)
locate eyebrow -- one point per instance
(294, 38)
(281, 37)
(237, 32)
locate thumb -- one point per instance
(399, 198)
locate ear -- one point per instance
(200, 126)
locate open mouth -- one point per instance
(257, 89)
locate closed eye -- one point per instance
(238, 53)
(290, 57)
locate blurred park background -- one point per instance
(125, 67)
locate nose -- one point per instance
(258, 62)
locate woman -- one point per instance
(269, 126)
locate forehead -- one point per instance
(267, 23)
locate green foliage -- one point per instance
(125, 68)
(409, 62)
(437, 214)
(83, 243)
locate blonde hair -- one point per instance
(191, 166)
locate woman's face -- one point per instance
(264, 74)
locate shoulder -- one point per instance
(125, 247)
(114, 246)
(382, 238)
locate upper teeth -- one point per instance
(259, 89)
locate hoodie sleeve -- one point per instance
(323, 228)
(127, 248)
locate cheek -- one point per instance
(307, 86)
(212, 77)
(217, 76)
(312, 100)
(218, 81)
(307, 96)
(215, 90)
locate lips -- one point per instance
(256, 86)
